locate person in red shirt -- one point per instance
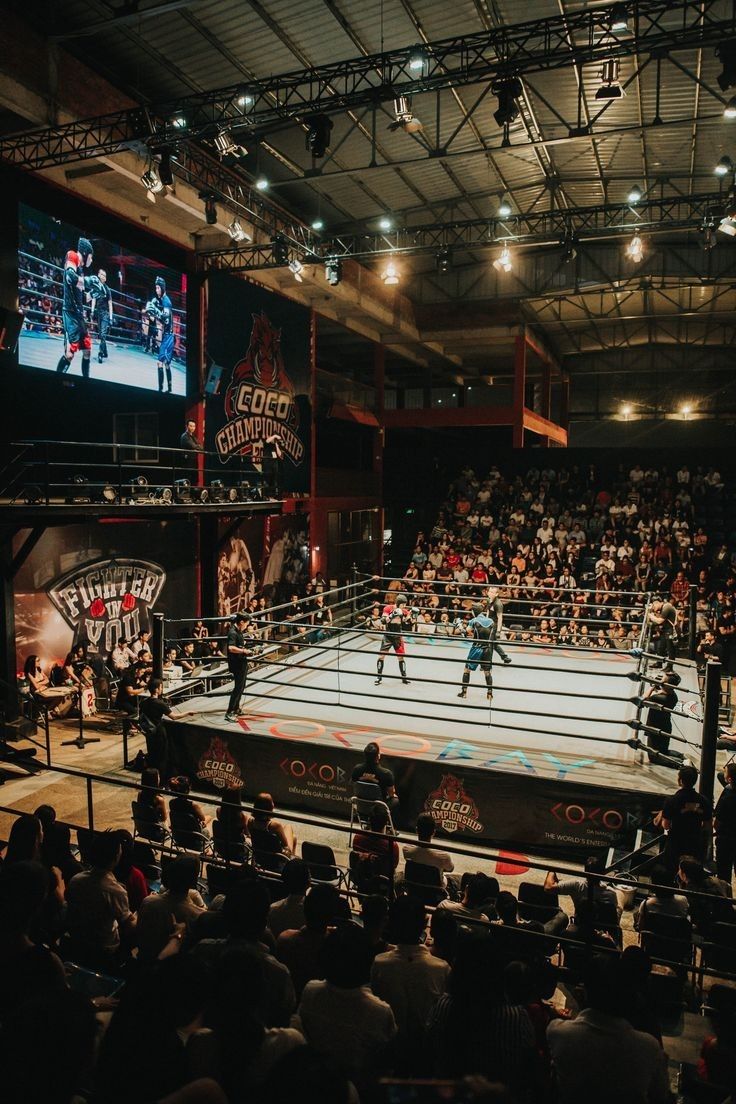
(376, 842)
(680, 588)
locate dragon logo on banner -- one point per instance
(108, 600)
(219, 767)
(260, 399)
(452, 808)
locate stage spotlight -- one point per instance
(333, 271)
(243, 97)
(179, 121)
(166, 495)
(610, 88)
(318, 224)
(634, 195)
(217, 490)
(201, 495)
(686, 410)
(569, 249)
(404, 117)
(627, 410)
(138, 490)
(418, 60)
(729, 111)
(318, 135)
(619, 19)
(385, 223)
(262, 184)
(507, 92)
(32, 494)
(81, 494)
(443, 260)
(227, 147)
(727, 226)
(109, 495)
(724, 166)
(635, 249)
(210, 210)
(504, 262)
(182, 490)
(151, 181)
(280, 249)
(504, 208)
(390, 275)
(726, 54)
(165, 171)
(236, 231)
(245, 491)
(296, 268)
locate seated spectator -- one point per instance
(340, 1016)
(128, 874)
(262, 817)
(374, 913)
(245, 914)
(234, 1047)
(477, 901)
(183, 810)
(507, 908)
(599, 1055)
(187, 658)
(173, 910)
(473, 1027)
(583, 889)
(718, 1052)
(56, 850)
(147, 796)
(288, 913)
(58, 705)
(372, 770)
(410, 979)
(99, 919)
(231, 814)
(28, 969)
(376, 844)
(423, 852)
(301, 949)
(704, 912)
(585, 929)
(641, 1010)
(121, 657)
(662, 901)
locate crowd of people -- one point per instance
(126, 980)
(575, 555)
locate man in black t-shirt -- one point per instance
(687, 816)
(153, 711)
(660, 699)
(241, 642)
(102, 310)
(663, 615)
(370, 770)
(725, 826)
(495, 608)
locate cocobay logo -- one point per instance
(108, 600)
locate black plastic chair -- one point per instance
(187, 834)
(537, 903)
(267, 853)
(230, 844)
(147, 826)
(323, 868)
(424, 882)
(667, 937)
(370, 873)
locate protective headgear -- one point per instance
(160, 282)
(84, 248)
(72, 259)
(400, 600)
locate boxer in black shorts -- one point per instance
(394, 618)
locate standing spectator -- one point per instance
(725, 826)
(587, 1050)
(340, 1016)
(661, 699)
(687, 817)
(410, 979)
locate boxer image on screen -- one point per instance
(394, 618)
(75, 285)
(163, 312)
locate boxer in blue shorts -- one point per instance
(482, 630)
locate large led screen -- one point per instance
(109, 314)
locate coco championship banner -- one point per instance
(262, 341)
(107, 601)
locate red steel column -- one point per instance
(519, 390)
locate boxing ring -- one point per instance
(551, 762)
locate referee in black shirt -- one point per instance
(725, 826)
(241, 641)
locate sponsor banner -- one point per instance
(306, 765)
(262, 343)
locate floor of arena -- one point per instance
(559, 714)
(125, 364)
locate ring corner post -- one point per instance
(710, 728)
(158, 645)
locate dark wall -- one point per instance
(36, 403)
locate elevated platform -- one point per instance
(546, 766)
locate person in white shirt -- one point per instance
(409, 977)
(288, 913)
(636, 474)
(121, 656)
(141, 642)
(423, 852)
(544, 532)
(340, 1017)
(683, 475)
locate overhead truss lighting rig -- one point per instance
(553, 228)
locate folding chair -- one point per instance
(322, 864)
(187, 834)
(267, 854)
(365, 796)
(424, 882)
(147, 827)
(230, 845)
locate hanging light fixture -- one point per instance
(390, 275)
(504, 262)
(635, 249)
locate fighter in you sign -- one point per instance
(108, 600)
